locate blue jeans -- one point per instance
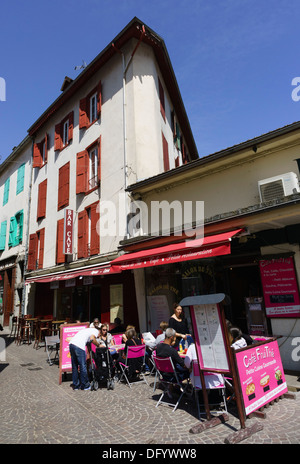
(78, 358)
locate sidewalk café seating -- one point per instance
(133, 352)
(117, 338)
(23, 331)
(14, 327)
(165, 368)
(197, 388)
(52, 343)
(44, 327)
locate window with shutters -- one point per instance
(90, 107)
(3, 228)
(60, 256)
(64, 132)
(20, 178)
(88, 238)
(40, 152)
(63, 186)
(42, 198)
(6, 191)
(88, 168)
(16, 229)
(36, 250)
(165, 153)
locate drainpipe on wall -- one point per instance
(27, 231)
(125, 69)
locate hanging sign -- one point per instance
(280, 287)
(68, 232)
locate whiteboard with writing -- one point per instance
(210, 340)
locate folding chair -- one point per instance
(198, 387)
(166, 366)
(52, 343)
(133, 352)
(118, 339)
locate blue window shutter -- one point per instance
(19, 231)
(6, 191)
(20, 178)
(12, 231)
(3, 235)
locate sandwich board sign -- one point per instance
(67, 331)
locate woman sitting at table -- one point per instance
(135, 364)
(105, 339)
(179, 323)
(124, 336)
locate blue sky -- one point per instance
(234, 60)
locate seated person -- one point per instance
(160, 338)
(135, 364)
(166, 350)
(236, 339)
(105, 338)
(124, 336)
(212, 380)
(96, 323)
(119, 327)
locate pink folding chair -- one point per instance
(219, 385)
(118, 339)
(133, 352)
(166, 366)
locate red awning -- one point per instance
(92, 271)
(214, 245)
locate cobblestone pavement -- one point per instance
(35, 409)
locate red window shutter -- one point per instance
(184, 158)
(82, 227)
(57, 138)
(83, 117)
(71, 125)
(99, 99)
(63, 186)
(99, 159)
(81, 171)
(60, 257)
(46, 148)
(165, 153)
(162, 99)
(41, 251)
(31, 265)
(94, 245)
(42, 197)
(37, 157)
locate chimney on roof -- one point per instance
(67, 81)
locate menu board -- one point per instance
(261, 375)
(67, 331)
(280, 287)
(210, 341)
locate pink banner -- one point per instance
(280, 287)
(261, 375)
(67, 331)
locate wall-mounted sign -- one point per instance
(280, 287)
(68, 232)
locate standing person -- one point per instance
(179, 323)
(77, 349)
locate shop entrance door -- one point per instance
(95, 303)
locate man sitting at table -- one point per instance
(166, 350)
